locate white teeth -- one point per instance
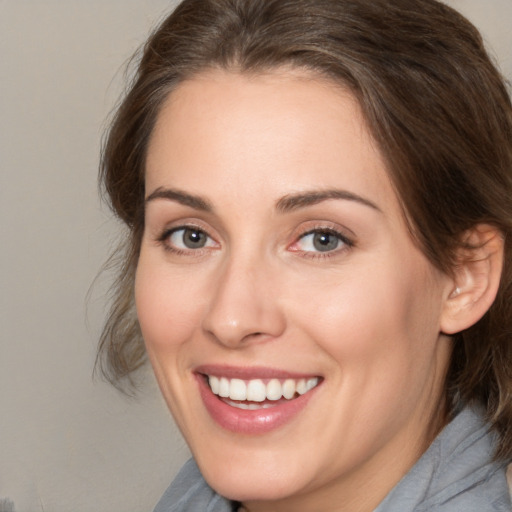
(237, 390)
(301, 387)
(255, 390)
(311, 383)
(274, 390)
(214, 384)
(224, 387)
(250, 407)
(289, 388)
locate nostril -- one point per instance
(253, 335)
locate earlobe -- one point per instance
(476, 279)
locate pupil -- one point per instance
(325, 242)
(194, 239)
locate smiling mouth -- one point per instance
(258, 394)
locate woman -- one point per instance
(319, 199)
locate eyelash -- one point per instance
(163, 239)
(346, 242)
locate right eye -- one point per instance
(187, 238)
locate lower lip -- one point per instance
(243, 421)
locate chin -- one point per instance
(254, 479)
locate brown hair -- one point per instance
(433, 100)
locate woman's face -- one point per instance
(276, 268)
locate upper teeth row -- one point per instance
(257, 391)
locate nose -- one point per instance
(244, 307)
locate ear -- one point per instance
(476, 279)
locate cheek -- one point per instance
(166, 309)
(376, 319)
(379, 329)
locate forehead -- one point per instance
(268, 133)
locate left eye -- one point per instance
(189, 238)
(320, 241)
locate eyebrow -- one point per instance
(293, 202)
(184, 198)
(288, 203)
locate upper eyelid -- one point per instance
(329, 226)
(171, 230)
(163, 240)
(159, 218)
(348, 241)
(312, 226)
(323, 230)
(170, 227)
(343, 237)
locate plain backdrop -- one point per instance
(68, 443)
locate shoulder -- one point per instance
(456, 474)
(189, 493)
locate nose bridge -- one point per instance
(243, 306)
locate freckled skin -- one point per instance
(364, 314)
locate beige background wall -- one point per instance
(66, 443)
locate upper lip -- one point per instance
(250, 372)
